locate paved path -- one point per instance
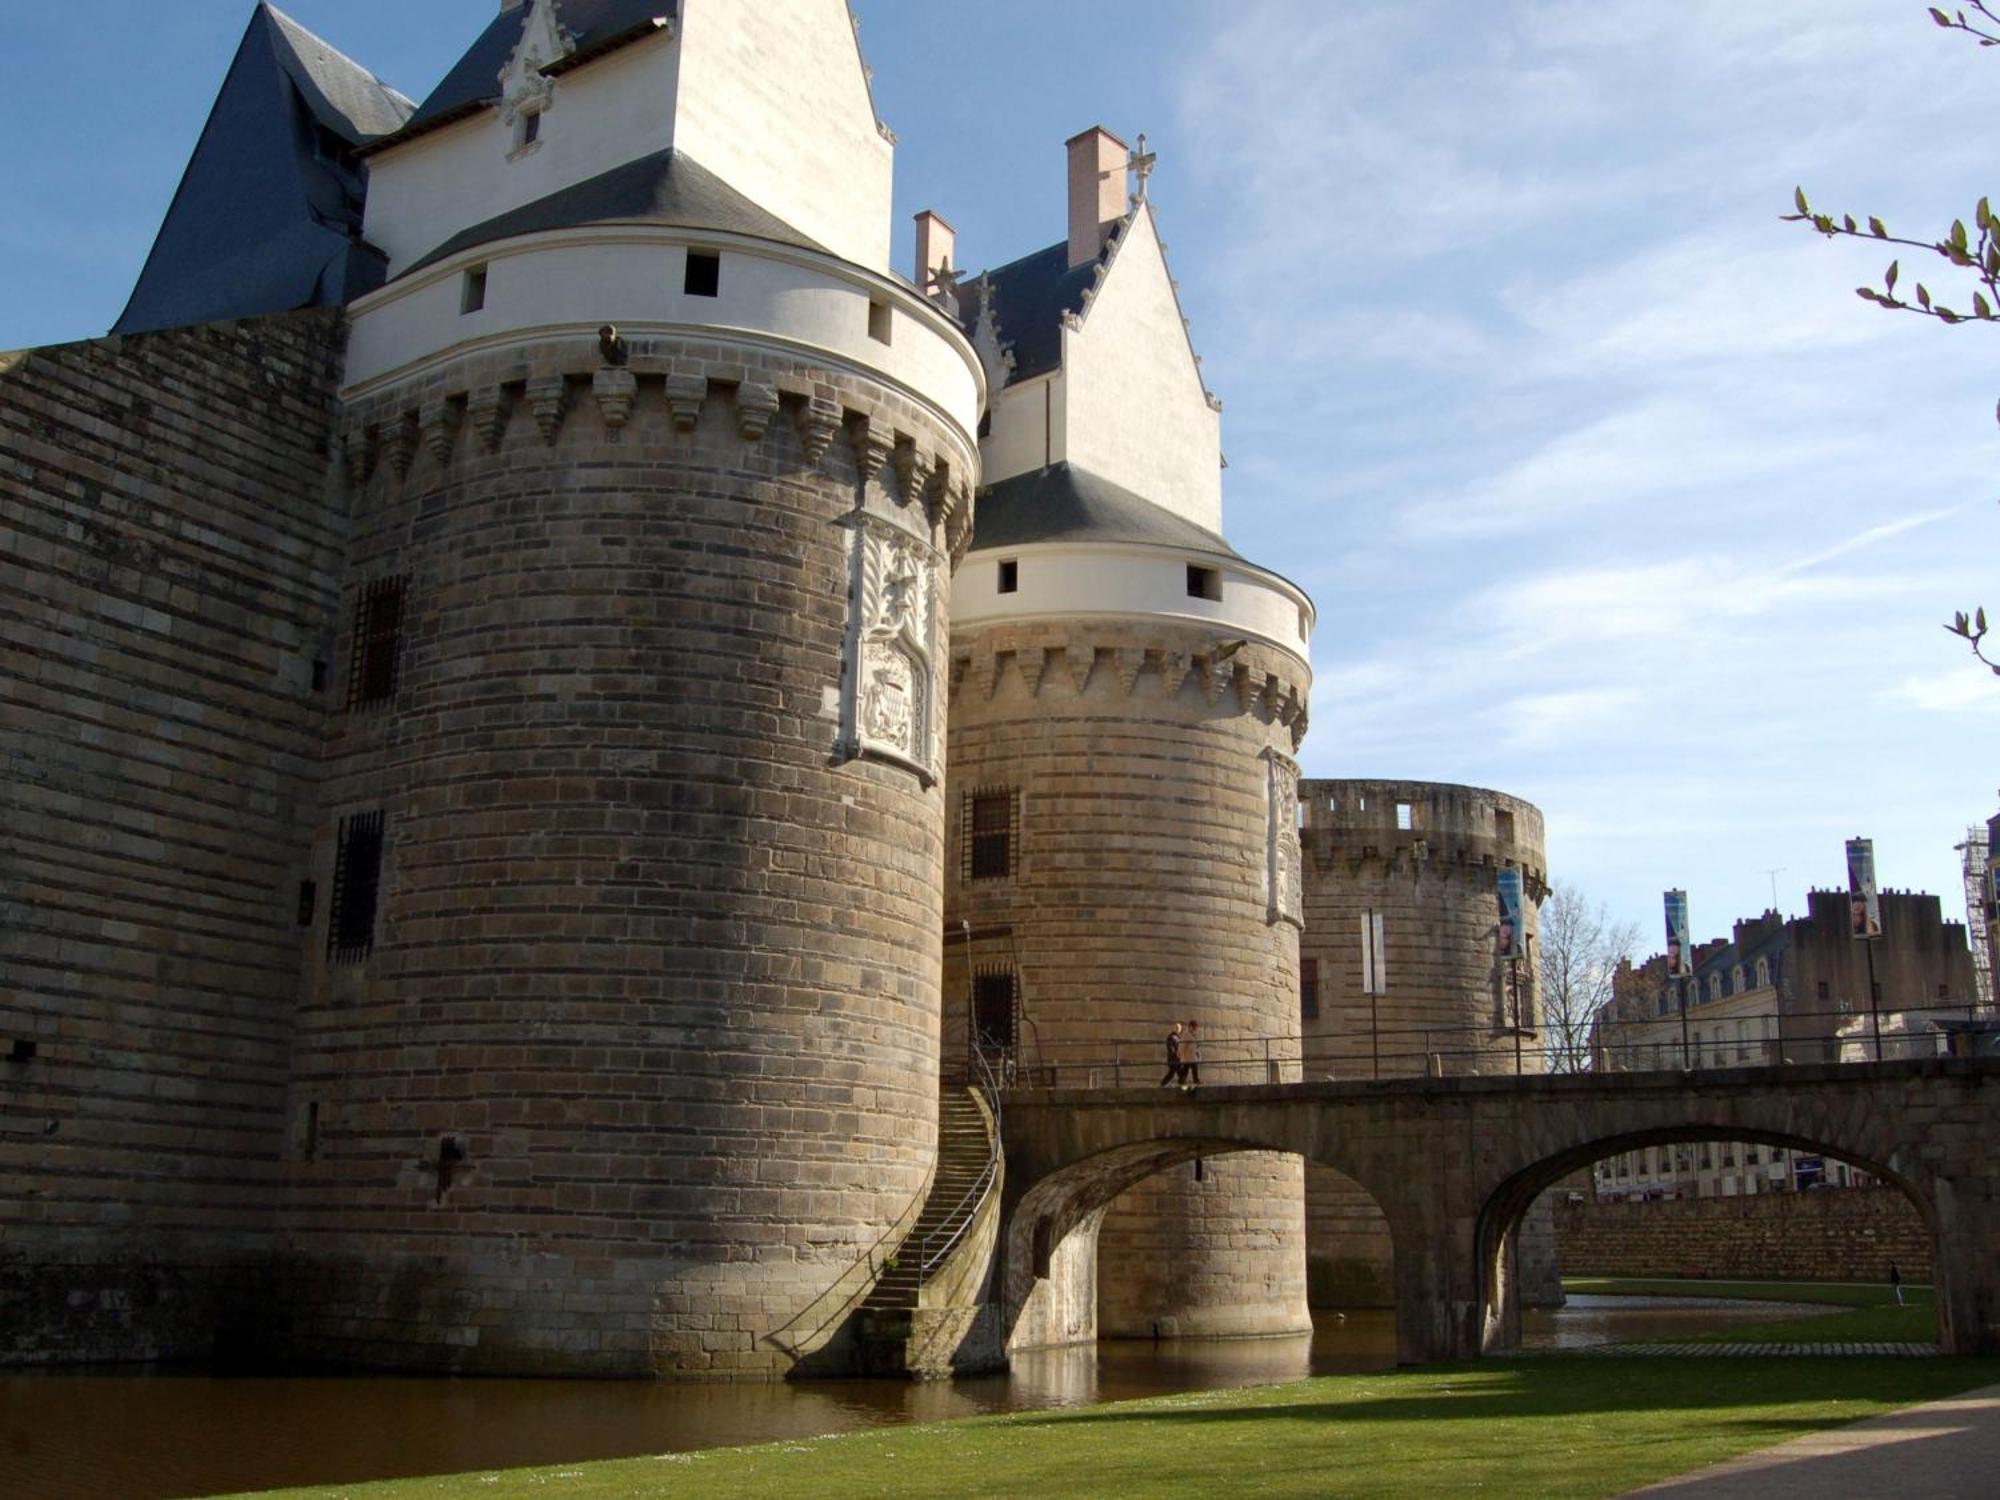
(1943, 1450)
(1756, 1351)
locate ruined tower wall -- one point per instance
(644, 1059)
(169, 562)
(1147, 779)
(1421, 857)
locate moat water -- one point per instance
(148, 1434)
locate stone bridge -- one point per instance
(1454, 1163)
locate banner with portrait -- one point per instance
(1510, 933)
(1864, 907)
(1680, 952)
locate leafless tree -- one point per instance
(1578, 952)
(1974, 252)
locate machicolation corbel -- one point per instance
(616, 388)
(440, 422)
(548, 396)
(819, 422)
(686, 395)
(402, 444)
(487, 407)
(756, 404)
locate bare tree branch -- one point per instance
(1578, 953)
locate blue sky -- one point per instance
(1610, 492)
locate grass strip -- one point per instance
(1546, 1427)
(1869, 1316)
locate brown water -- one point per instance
(149, 1434)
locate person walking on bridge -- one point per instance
(1175, 1070)
(1191, 1056)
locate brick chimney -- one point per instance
(1097, 161)
(937, 247)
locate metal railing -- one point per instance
(938, 1245)
(1655, 1044)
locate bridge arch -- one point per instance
(1505, 1207)
(1049, 1249)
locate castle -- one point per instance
(560, 706)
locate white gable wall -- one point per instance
(604, 114)
(1024, 432)
(773, 100)
(1137, 414)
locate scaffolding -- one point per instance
(1975, 852)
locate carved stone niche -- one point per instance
(892, 710)
(1283, 899)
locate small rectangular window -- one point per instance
(990, 832)
(21, 1050)
(531, 127)
(1503, 826)
(1203, 583)
(881, 324)
(1406, 816)
(308, 901)
(1825, 990)
(704, 274)
(319, 676)
(378, 643)
(1374, 958)
(1308, 989)
(472, 295)
(357, 880)
(994, 996)
(1010, 576)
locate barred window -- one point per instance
(1309, 989)
(995, 1000)
(991, 818)
(378, 643)
(357, 879)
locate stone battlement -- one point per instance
(1422, 824)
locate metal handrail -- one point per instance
(954, 1228)
(1360, 1053)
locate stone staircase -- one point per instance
(965, 1148)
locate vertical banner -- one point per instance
(1680, 953)
(1509, 934)
(1864, 907)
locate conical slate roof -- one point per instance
(268, 214)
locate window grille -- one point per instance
(357, 880)
(378, 643)
(992, 819)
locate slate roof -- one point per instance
(474, 80)
(268, 214)
(1063, 503)
(667, 187)
(1030, 295)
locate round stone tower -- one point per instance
(622, 1056)
(1123, 857)
(1128, 693)
(1400, 973)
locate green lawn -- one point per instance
(1870, 1313)
(1546, 1427)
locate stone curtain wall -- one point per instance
(656, 952)
(1139, 895)
(1847, 1234)
(169, 562)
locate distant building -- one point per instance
(1781, 991)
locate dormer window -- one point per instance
(530, 128)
